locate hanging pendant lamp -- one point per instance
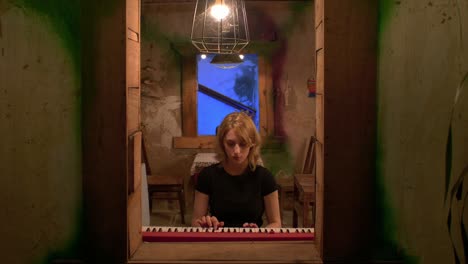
(220, 26)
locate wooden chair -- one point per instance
(164, 187)
(304, 188)
(286, 182)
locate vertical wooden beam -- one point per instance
(134, 136)
(189, 93)
(349, 127)
(265, 97)
(319, 125)
(104, 131)
(269, 103)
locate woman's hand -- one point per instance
(251, 225)
(208, 221)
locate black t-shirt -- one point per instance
(236, 199)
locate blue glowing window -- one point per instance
(222, 91)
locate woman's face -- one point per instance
(236, 149)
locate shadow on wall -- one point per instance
(456, 179)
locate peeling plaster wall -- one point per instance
(423, 92)
(40, 149)
(299, 66)
(292, 59)
(161, 98)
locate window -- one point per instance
(191, 138)
(226, 90)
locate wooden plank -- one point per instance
(134, 161)
(134, 221)
(319, 117)
(349, 159)
(133, 109)
(319, 7)
(133, 106)
(262, 96)
(307, 155)
(320, 64)
(189, 92)
(319, 203)
(133, 63)
(130, 165)
(133, 15)
(104, 133)
(232, 252)
(319, 37)
(270, 105)
(133, 35)
(200, 142)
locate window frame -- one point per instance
(190, 138)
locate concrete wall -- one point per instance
(292, 59)
(40, 149)
(423, 96)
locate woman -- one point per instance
(237, 190)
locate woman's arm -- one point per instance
(200, 207)
(200, 210)
(272, 209)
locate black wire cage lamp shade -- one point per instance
(220, 26)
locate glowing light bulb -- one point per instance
(219, 11)
(241, 56)
(203, 56)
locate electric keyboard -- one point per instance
(200, 234)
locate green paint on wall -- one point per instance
(152, 33)
(277, 157)
(74, 249)
(386, 10)
(298, 10)
(386, 245)
(63, 19)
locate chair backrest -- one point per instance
(308, 164)
(145, 155)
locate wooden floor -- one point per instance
(227, 252)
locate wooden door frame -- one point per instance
(346, 52)
(105, 129)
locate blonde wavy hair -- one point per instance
(245, 129)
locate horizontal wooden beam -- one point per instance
(209, 142)
(228, 252)
(149, 2)
(200, 142)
